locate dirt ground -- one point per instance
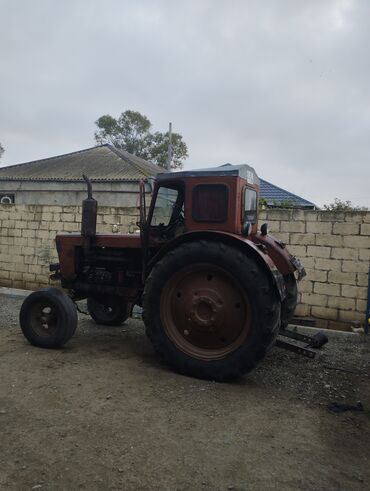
(105, 414)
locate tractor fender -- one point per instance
(277, 251)
(245, 245)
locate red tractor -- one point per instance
(214, 289)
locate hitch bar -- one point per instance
(316, 341)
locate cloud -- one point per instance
(280, 85)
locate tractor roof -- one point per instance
(244, 171)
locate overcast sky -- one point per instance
(281, 85)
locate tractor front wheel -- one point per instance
(48, 318)
(108, 311)
(210, 311)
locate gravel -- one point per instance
(106, 413)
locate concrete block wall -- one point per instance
(334, 248)
(27, 234)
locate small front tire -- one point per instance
(48, 318)
(108, 311)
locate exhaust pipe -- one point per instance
(89, 214)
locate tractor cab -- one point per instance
(221, 199)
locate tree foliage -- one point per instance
(2, 150)
(131, 132)
(340, 205)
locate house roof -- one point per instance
(107, 163)
(101, 163)
(275, 195)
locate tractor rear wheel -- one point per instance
(108, 311)
(290, 302)
(210, 311)
(48, 318)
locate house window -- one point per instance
(210, 202)
(7, 199)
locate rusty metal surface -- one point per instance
(277, 251)
(205, 312)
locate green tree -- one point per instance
(2, 150)
(340, 205)
(131, 132)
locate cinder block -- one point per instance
(344, 253)
(328, 264)
(70, 227)
(326, 289)
(355, 266)
(308, 262)
(338, 326)
(31, 285)
(316, 275)
(20, 267)
(356, 242)
(330, 216)
(346, 228)
(297, 250)
(350, 316)
(67, 217)
(362, 279)
(20, 224)
(293, 226)
(47, 216)
(342, 303)
(324, 313)
(364, 254)
(355, 216)
(35, 269)
(302, 239)
(318, 251)
(6, 282)
(342, 278)
(357, 292)
(262, 215)
(310, 216)
(361, 305)
(43, 234)
(30, 259)
(17, 284)
(28, 233)
(319, 227)
(276, 214)
(302, 310)
(283, 237)
(314, 299)
(366, 217)
(305, 286)
(28, 277)
(365, 229)
(329, 240)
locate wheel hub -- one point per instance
(204, 311)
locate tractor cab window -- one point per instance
(250, 205)
(168, 211)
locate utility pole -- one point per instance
(169, 154)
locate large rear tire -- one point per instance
(290, 302)
(210, 311)
(108, 311)
(48, 318)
